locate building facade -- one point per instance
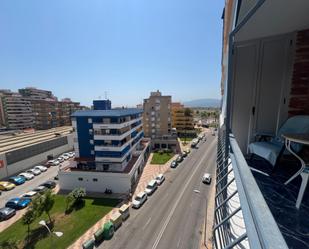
(16, 111)
(48, 111)
(157, 115)
(105, 140)
(182, 120)
(105, 104)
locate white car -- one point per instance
(151, 187)
(71, 154)
(40, 168)
(34, 171)
(60, 159)
(53, 162)
(27, 175)
(206, 178)
(65, 156)
(29, 194)
(160, 179)
(139, 200)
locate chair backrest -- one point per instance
(296, 124)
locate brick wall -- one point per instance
(299, 100)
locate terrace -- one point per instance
(266, 83)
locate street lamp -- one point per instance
(58, 234)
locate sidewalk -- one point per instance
(150, 172)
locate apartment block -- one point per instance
(182, 120)
(106, 139)
(16, 111)
(48, 111)
(157, 115)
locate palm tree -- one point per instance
(28, 218)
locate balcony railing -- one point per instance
(242, 217)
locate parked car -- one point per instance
(160, 179)
(151, 187)
(188, 151)
(60, 159)
(49, 184)
(30, 194)
(139, 200)
(53, 162)
(34, 171)
(71, 154)
(184, 154)
(194, 143)
(27, 175)
(40, 168)
(179, 159)
(17, 180)
(6, 213)
(206, 178)
(40, 189)
(18, 203)
(6, 185)
(65, 156)
(173, 164)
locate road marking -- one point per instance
(177, 202)
(178, 244)
(148, 221)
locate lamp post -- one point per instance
(58, 234)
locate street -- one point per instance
(173, 217)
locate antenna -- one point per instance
(105, 94)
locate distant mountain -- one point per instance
(203, 103)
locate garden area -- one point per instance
(161, 157)
(72, 215)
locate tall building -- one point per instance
(48, 111)
(182, 120)
(36, 94)
(16, 111)
(105, 104)
(106, 139)
(157, 115)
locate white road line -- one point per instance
(178, 244)
(177, 202)
(148, 221)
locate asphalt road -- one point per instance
(30, 185)
(173, 217)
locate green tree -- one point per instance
(28, 219)
(47, 203)
(78, 194)
(69, 200)
(188, 112)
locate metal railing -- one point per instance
(242, 218)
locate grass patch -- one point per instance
(72, 225)
(186, 139)
(161, 158)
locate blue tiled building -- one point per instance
(105, 140)
(102, 104)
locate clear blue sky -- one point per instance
(82, 48)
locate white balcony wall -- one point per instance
(115, 126)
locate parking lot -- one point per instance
(29, 185)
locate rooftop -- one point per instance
(17, 141)
(107, 113)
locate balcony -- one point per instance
(242, 216)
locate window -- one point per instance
(95, 179)
(90, 131)
(89, 120)
(92, 152)
(80, 178)
(105, 167)
(91, 141)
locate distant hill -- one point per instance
(203, 103)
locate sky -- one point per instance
(83, 49)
